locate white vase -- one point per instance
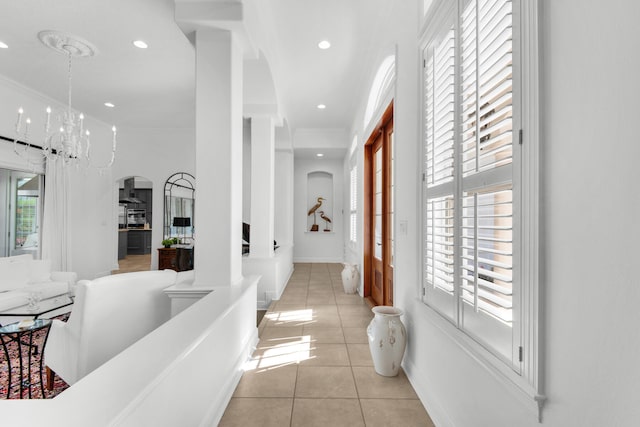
(387, 340)
(350, 278)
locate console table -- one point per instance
(175, 258)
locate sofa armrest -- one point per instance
(64, 276)
(61, 351)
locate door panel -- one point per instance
(377, 291)
(378, 247)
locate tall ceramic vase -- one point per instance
(350, 278)
(387, 340)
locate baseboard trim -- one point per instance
(218, 406)
(427, 395)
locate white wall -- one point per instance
(283, 210)
(91, 210)
(317, 246)
(155, 154)
(246, 171)
(589, 232)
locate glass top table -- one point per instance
(44, 306)
(14, 336)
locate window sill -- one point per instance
(516, 385)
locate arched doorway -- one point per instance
(135, 215)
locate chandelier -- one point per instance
(65, 137)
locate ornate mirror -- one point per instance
(179, 204)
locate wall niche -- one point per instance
(319, 202)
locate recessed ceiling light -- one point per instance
(140, 44)
(109, 104)
(320, 155)
(321, 106)
(324, 44)
(3, 45)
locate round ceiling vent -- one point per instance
(67, 44)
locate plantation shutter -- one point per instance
(486, 117)
(439, 154)
(469, 191)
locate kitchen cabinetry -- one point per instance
(122, 243)
(138, 242)
(145, 195)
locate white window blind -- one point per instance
(469, 191)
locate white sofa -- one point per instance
(109, 314)
(21, 274)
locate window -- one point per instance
(353, 206)
(21, 204)
(472, 208)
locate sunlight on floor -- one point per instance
(282, 317)
(276, 353)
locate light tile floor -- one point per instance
(312, 366)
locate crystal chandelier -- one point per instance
(65, 138)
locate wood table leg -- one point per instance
(50, 375)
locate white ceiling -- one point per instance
(154, 88)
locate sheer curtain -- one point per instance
(55, 226)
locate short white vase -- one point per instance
(387, 340)
(350, 278)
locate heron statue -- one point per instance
(327, 220)
(313, 210)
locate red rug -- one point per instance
(58, 386)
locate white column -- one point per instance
(218, 207)
(262, 187)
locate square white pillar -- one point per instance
(218, 207)
(262, 187)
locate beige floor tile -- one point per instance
(355, 335)
(374, 386)
(395, 412)
(276, 382)
(287, 352)
(324, 322)
(355, 310)
(281, 306)
(290, 315)
(355, 321)
(325, 382)
(266, 412)
(294, 299)
(321, 299)
(326, 355)
(326, 412)
(359, 355)
(295, 292)
(317, 290)
(269, 335)
(324, 335)
(347, 299)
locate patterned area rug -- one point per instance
(58, 386)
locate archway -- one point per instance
(135, 215)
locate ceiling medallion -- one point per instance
(66, 44)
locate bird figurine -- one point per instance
(313, 210)
(327, 220)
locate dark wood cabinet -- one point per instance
(178, 259)
(167, 259)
